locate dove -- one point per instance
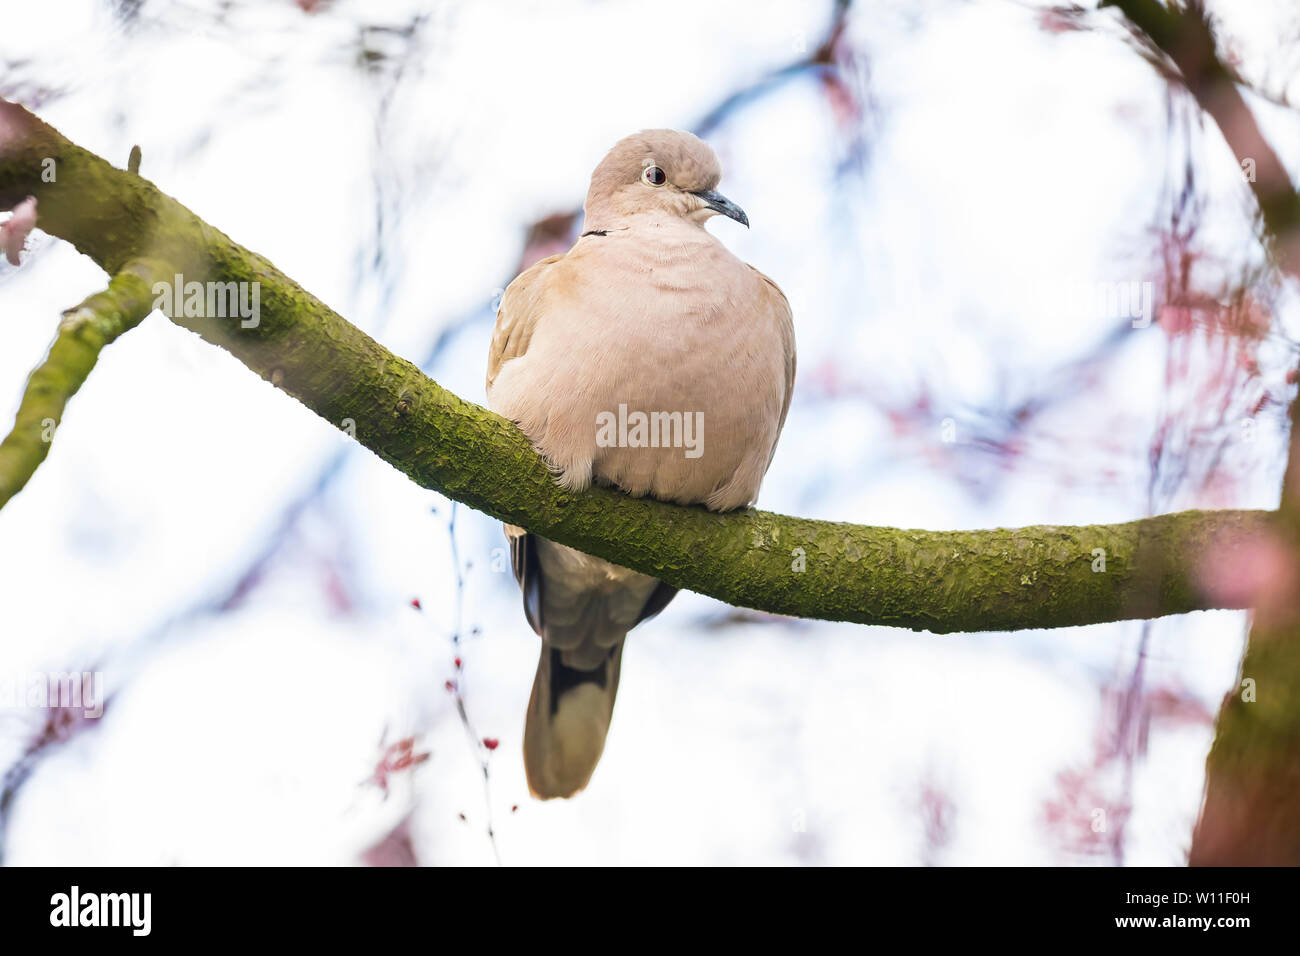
(650, 359)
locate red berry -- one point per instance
(450, 686)
(491, 743)
(415, 603)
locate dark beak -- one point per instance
(720, 203)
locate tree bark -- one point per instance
(1251, 813)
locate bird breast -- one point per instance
(646, 373)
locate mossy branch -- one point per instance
(941, 581)
(83, 333)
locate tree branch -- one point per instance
(1186, 39)
(83, 333)
(1252, 773)
(941, 581)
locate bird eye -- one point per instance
(653, 176)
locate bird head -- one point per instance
(658, 171)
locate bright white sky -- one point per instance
(999, 161)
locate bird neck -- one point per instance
(644, 224)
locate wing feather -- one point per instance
(517, 317)
(779, 307)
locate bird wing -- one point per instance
(517, 317)
(522, 307)
(779, 309)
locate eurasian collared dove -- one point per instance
(649, 358)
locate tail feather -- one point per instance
(582, 608)
(568, 719)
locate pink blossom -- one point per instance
(1258, 572)
(396, 758)
(1176, 319)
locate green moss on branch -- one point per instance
(83, 333)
